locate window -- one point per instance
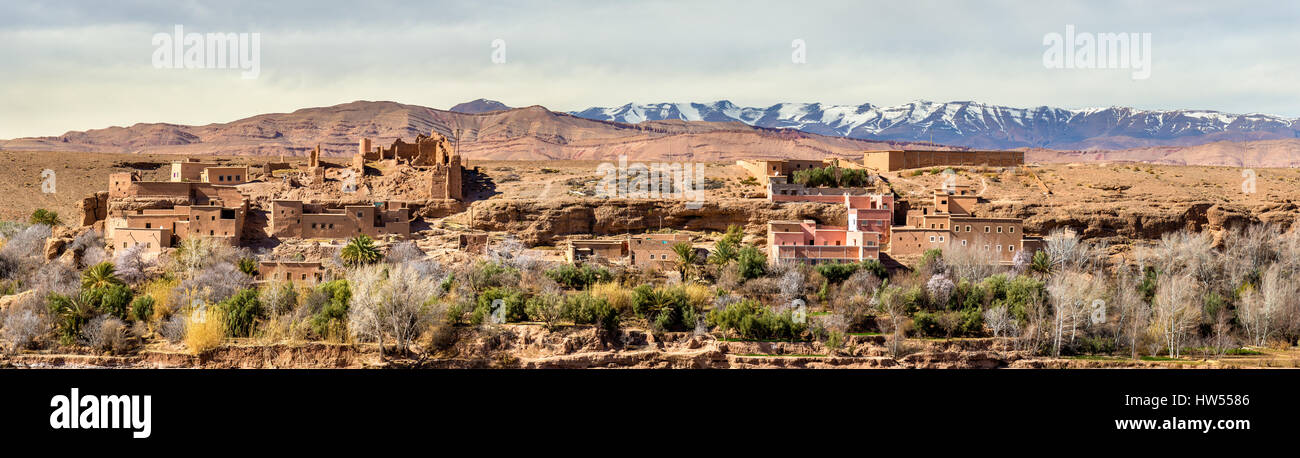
(986, 247)
(963, 243)
(999, 229)
(1011, 248)
(986, 229)
(999, 248)
(931, 239)
(940, 239)
(1011, 229)
(148, 225)
(967, 228)
(236, 177)
(123, 244)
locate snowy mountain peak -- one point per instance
(975, 124)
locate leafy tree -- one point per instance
(360, 250)
(46, 217)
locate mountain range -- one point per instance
(487, 131)
(720, 131)
(977, 125)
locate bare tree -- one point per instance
(792, 285)
(1071, 292)
(890, 303)
(1176, 310)
(131, 264)
(998, 320)
(406, 251)
(1134, 313)
(389, 301)
(970, 263)
(1261, 311)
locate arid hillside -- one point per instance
(1259, 153)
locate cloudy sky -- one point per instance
(83, 65)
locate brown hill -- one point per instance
(1258, 153)
(530, 133)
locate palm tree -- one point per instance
(723, 252)
(100, 275)
(46, 217)
(360, 250)
(687, 258)
(1041, 264)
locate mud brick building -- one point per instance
(431, 151)
(293, 218)
(159, 214)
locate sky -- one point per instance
(73, 65)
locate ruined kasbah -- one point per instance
(293, 214)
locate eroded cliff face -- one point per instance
(1127, 221)
(541, 222)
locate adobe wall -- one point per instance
(897, 160)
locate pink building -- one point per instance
(805, 241)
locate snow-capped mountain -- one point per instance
(977, 125)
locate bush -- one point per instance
(142, 308)
(241, 312)
(45, 217)
(107, 333)
(753, 321)
(115, 300)
(70, 313)
(514, 300)
(330, 322)
(547, 308)
(615, 295)
(205, 328)
(584, 308)
(836, 272)
(669, 308)
(576, 277)
(751, 263)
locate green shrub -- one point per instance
(142, 308)
(331, 320)
(576, 277)
(751, 263)
(751, 320)
(583, 308)
(46, 217)
(668, 308)
(114, 300)
(514, 300)
(836, 272)
(242, 310)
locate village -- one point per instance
(851, 261)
